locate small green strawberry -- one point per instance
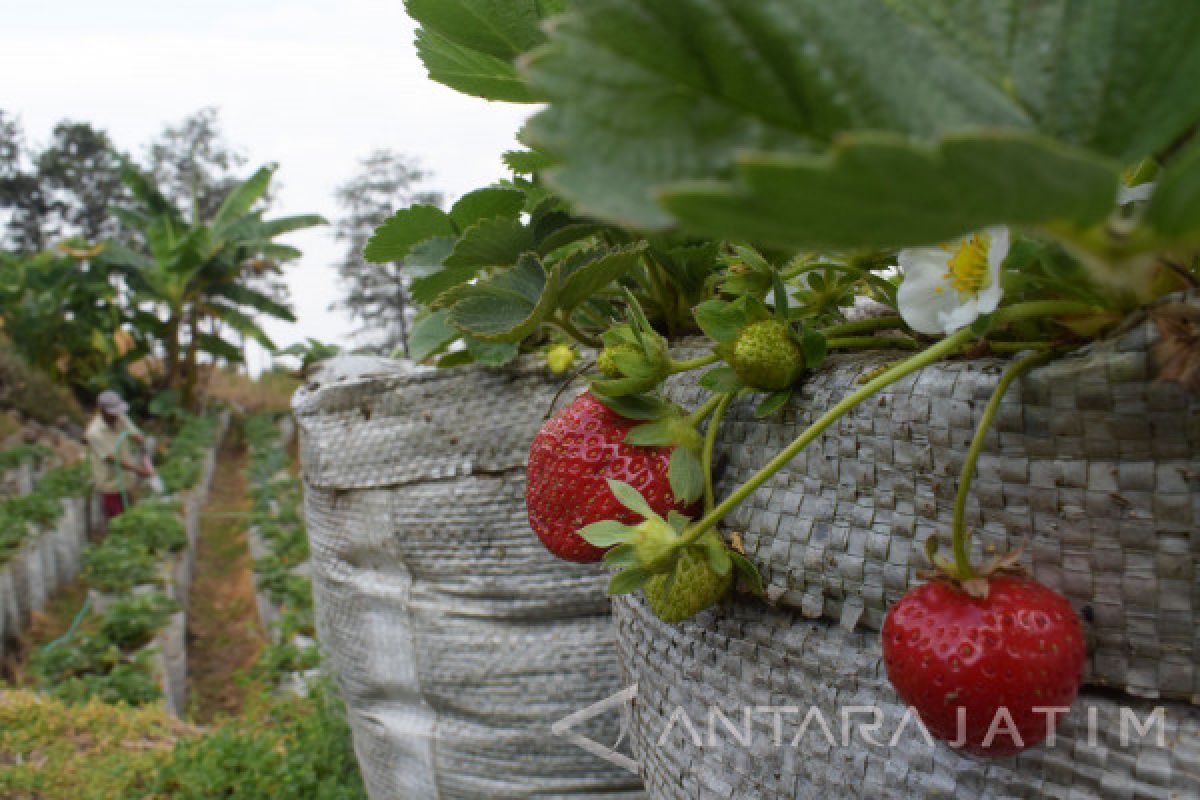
(692, 587)
(606, 362)
(767, 356)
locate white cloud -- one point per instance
(313, 85)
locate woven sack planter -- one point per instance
(456, 639)
(1091, 463)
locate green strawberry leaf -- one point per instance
(632, 499)
(621, 556)
(393, 240)
(883, 190)
(508, 306)
(721, 321)
(587, 272)
(427, 257)
(471, 45)
(686, 474)
(677, 521)
(426, 290)
(815, 348)
(491, 243)
(721, 380)
(772, 403)
(1174, 208)
(652, 434)
(430, 335)
(717, 553)
(487, 203)
(458, 358)
(748, 573)
(527, 162)
(787, 78)
(780, 296)
(640, 407)
(628, 581)
(606, 533)
(492, 354)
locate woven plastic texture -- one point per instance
(781, 666)
(1091, 463)
(457, 640)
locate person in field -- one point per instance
(113, 442)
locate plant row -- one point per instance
(21, 515)
(278, 572)
(111, 656)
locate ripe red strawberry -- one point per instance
(1020, 648)
(572, 458)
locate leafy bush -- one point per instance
(131, 683)
(117, 565)
(300, 750)
(156, 526)
(41, 508)
(13, 456)
(184, 461)
(132, 622)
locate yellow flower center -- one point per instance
(967, 269)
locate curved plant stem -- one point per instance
(710, 441)
(569, 328)
(1043, 308)
(872, 343)
(694, 363)
(960, 539)
(864, 326)
(940, 350)
(701, 413)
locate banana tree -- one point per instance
(194, 279)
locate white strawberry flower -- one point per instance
(948, 287)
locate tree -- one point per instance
(191, 277)
(66, 189)
(376, 294)
(193, 165)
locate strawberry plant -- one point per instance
(756, 188)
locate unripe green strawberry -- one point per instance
(605, 363)
(695, 587)
(767, 356)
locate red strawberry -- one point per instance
(572, 458)
(1020, 648)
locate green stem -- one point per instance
(694, 363)
(701, 413)
(960, 540)
(872, 343)
(569, 328)
(864, 326)
(710, 441)
(943, 348)
(1019, 347)
(1043, 308)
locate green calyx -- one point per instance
(632, 361)
(689, 588)
(767, 356)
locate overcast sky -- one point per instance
(312, 84)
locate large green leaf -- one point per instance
(1175, 206)
(242, 198)
(492, 242)
(407, 227)
(508, 306)
(426, 289)
(470, 45)
(650, 93)
(880, 190)
(430, 335)
(588, 271)
(483, 204)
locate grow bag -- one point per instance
(1092, 464)
(457, 640)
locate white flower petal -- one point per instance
(926, 298)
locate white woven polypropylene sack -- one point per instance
(456, 639)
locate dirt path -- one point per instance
(224, 637)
